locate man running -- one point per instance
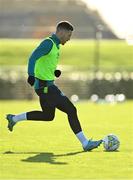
(42, 72)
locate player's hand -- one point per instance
(31, 80)
(57, 73)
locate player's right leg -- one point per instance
(11, 123)
(32, 115)
(47, 113)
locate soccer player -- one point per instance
(42, 72)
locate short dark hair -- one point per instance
(64, 25)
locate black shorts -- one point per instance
(51, 95)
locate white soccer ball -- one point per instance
(111, 142)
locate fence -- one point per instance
(13, 84)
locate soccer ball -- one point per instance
(111, 142)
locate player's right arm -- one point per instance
(43, 49)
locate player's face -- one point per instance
(66, 35)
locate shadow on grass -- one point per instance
(46, 157)
(111, 151)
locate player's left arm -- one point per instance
(57, 73)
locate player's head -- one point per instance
(64, 31)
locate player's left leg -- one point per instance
(65, 105)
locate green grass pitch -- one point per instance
(114, 54)
(49, 150)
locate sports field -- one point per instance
(114, 54)
(49, 150)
